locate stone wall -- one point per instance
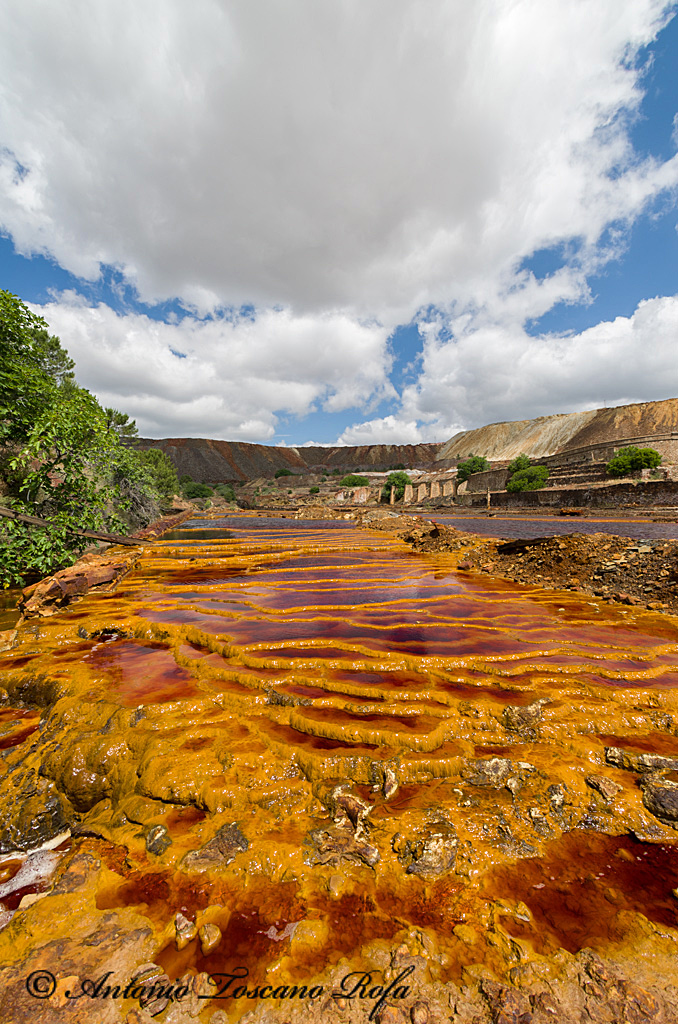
(491, 479)
(650, 492)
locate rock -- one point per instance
(218, 852)
(33, 812)
(556, 794)
(506, 1005)
(431, 851)
(660, 796)
(157, 840)
(493, 772)
(336, 843)
(156, 982)
(391, 1015)
(420, 1013)
(641, 763)
(185, 930)
(347, 807)
(210, 937)
(606, 787)
(524, 720)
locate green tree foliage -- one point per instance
(314, 490)
(283, 472)
(160, 471)
(197, 490)
(399, 480)
(530, 479)
(120, 424)
(353, 480)
(630, 460)
(474, 464)
(226, 492)
(58, 458)
(520, 462)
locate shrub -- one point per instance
(314, 490)
(225, 491)
(520, 462)
(283, 472)
(629, 460)
(399, 480)
(474, 464)
(160, 470)
(352, 480)
(196, 490)
(530, 479)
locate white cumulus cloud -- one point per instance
(339, 166)
(219, 377)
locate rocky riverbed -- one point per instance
(377, 780)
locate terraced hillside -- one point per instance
(649, 422)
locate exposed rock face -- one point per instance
(549, 435)
(210, 461)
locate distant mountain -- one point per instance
(232, 461)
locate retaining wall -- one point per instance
(650, 492)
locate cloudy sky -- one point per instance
(352, 220)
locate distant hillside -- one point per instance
(551, 435)
(233, 461)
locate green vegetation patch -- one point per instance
(630, 460)
(474, 464)
(62, 456)
(530, 479)
(353, 480)
(520, 462)
(399, 480)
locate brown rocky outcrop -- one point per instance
(211, 461)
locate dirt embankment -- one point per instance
(615, 568)
(560, 432)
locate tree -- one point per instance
(530, 479)
(58, 458)
(520, 462)
(197, 490)
(32, 362)
(352, 480)
(474, 464)
(121, 424)
(631, 459)
(399, 480)
(283, 472)
(160, 469)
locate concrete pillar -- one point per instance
(421, 491)
(407, 496)
(360, 495)
(448, 488)
(435, 489)
(391, 500)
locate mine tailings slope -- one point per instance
(214, 461)
(549, 435)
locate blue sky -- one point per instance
(347, 223)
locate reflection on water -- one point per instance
(513, 527)
(9, 613)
